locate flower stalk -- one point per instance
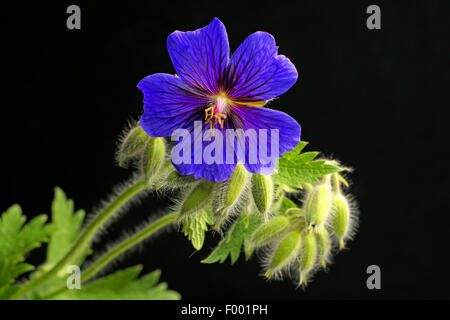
(85, 238)
(117, 250)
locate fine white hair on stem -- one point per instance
(119, 189)
(127, 234)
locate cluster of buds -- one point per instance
(301, 240)
(227, 199)
(297, 241)
(243, 191)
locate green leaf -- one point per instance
(66, 228)
(286, 204)
(123, 285)
(66, 224)
(195, 226)
(296, 168)
(239, 234)
(16, 239)
(296, 151)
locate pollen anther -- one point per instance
(213, 119)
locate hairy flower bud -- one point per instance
(341, 219)
(230, 196)
(269, 231)
(236, 185)
(307, 257)
(323, 246)
(198, 197)
(169, 178)
(231, 191)
(285, 253)
(262, 191)
(153, 157)
(318, 204)
(132, 143)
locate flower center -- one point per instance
(216, 113)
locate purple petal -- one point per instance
(256, 153)
(258, 118)
(257, 73)
(169, 104)
(199, 163)
(211, 172)
(201, 56)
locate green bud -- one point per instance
(324, 246)
(169, 178)
(132, 144)
(308, 256)
(285, 253)
(229, 195)
(262, 191)
(341, 217)
(269, 231)
(197, 197)
(236, 185)
(318, 205)
(153, 157)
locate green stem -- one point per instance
(107, 257)
(84, 240)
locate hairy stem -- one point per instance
(121, 247)
(85, 238)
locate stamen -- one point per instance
(209, 113)
(213, 114)
(214, 119)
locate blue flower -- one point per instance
(221, 93)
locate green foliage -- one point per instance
(286, 204)
(66, 227)
(123, 285)
(239, 234)
(195, 226)
(17, 239)
(296, 168)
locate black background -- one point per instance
(374, 99)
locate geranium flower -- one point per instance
(223, 93)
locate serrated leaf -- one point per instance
(17, 239)
(66, 226)
(295, 168)
(123, 285)
(239, 234)
(195, 226)
(296, 151)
